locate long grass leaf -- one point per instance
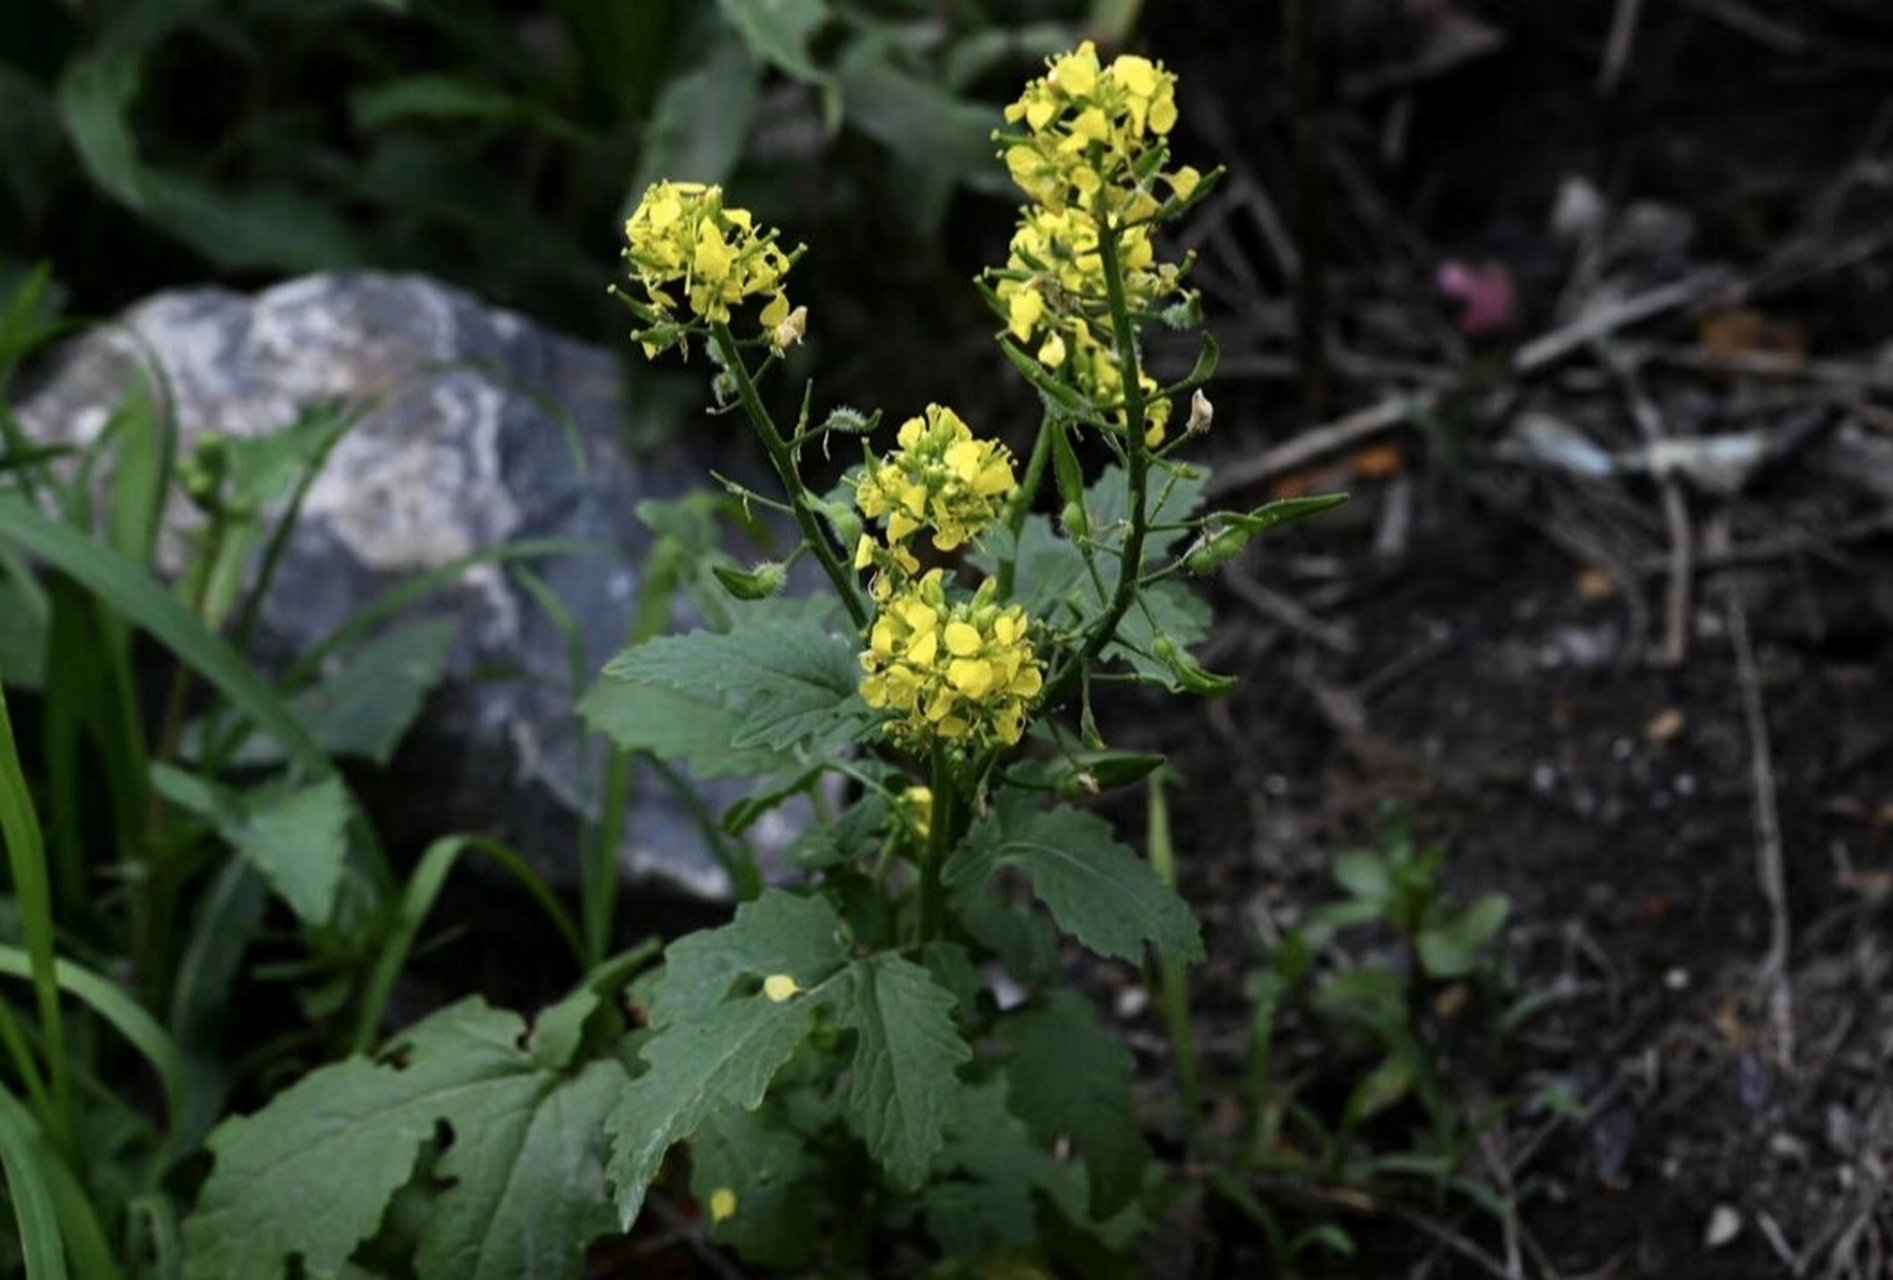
(424, 886)
(117, 1007)
(22, 1159)
(135, 594)
(33, 893)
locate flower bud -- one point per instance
(1074, 520)
(722, 1205)
(779, 987)
(760, 583)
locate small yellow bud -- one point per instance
(778, 987)
(722, 1205)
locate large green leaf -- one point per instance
(788, 679)
(692, 727)
(777, 933)
(725, 1057)
(1072, 1079)
(903, 1086)
(296, 839)
(1097, 889)
(756, 1158)
(312, 1173)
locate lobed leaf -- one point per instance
(312, 1173)
(1100, 892)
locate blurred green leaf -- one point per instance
(701, 120)
(296, 839)
(778, 31)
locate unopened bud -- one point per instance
(1074, 520)
(755, 584)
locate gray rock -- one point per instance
(459, 450)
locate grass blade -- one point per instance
(135, 594)
(20, 1157)
(32, 889)
(116, 1006)
(424, 886)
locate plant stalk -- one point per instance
(1024, 498)
(783, 460)
(1137, 468)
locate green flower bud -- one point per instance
(760, 583)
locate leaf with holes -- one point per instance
(527, 1193)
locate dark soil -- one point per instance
(1480, 636)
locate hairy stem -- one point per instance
(783, 459)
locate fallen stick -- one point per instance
(1335, 437)
(1768, 852)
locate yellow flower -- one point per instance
(1089, 131)
(722, 1205)
(941, 477)
(956, 673)
(917, 804)
(780, 986)
(698, 258)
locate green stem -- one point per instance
(1137, 468)
(783, 459)
(1176, 992)
(939, 845)
(1024, 498)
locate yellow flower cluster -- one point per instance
(1090, 130)
(961, 673)
(941, 476)
(1053, 284)
(1092, 159)
(683, 236)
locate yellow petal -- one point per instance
(962, 641)
(722, 1205)
(970, 676)
(778, 987)
(923, 648)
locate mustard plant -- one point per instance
(877, 1066)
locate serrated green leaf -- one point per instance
(1070, 1078)
(1100, 892)
(296, 840)
(757, 1158)
(691, 727)
(778, 932)
(367, 707)
(527, 1194)
(906, 1049)
(790, 682)
(723, 1058)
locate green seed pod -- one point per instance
(760, 583)
(1074, 520)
